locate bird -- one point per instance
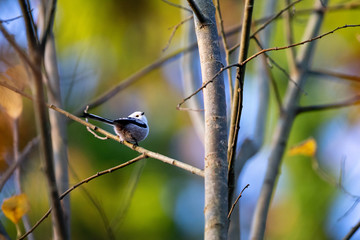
(133, 128)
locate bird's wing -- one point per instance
(126, 121)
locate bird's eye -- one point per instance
(137, 115)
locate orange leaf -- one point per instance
(305, 148)
(15, 207)
(11, 102)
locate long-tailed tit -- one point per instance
(133, 128)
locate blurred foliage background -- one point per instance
(99, 44)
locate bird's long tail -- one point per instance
(98, 118)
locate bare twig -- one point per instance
(175, 28)
(299, 43)
(265, 51)
(289, 39)
(49, 23)
(277, 15)
(178, 107)
(139, 149)
(236, 201)
(110, 170)
(10, 19)
(346, 103)
(24, 154)
(226, 47)
(329, 73)
(177, 5)
(10, 38)
(130, 80)
(91, 131)
(352, 231)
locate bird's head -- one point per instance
(139, 115)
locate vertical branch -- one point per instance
(192, 79)
(253, 144)
(43, 122)
(226, 47)
(284, 125)
(237, 103)
(57, 121)
(216, 208)
(289, 36)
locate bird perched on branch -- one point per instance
(133, 128)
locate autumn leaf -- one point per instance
(305, 148)
(10, 101)
(15, 207)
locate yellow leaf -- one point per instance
(306, 148)
(15, 207)
(11, 102)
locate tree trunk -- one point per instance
(216, 204)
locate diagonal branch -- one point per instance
(329, 73)
(98, 174)
(284, 125)
(134, 77)
(346, 103)
(299, 43)
(352, 231)
(139, 149)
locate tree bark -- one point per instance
(216, 203)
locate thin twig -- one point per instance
(299, 43)
(178, 107)
(352, 231)
(346, 103)
(269, 50)
(271, 19)
(130, 80)
(289, 39)
(175, 28)
(91, 131)
(24, 154)
(139, 149)
(329, 73)
(49, 23)
(10, 19)
(98, 174)
(226, 47)
(236, 201)
(10, 38)
(177, 5)
(271, 77)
